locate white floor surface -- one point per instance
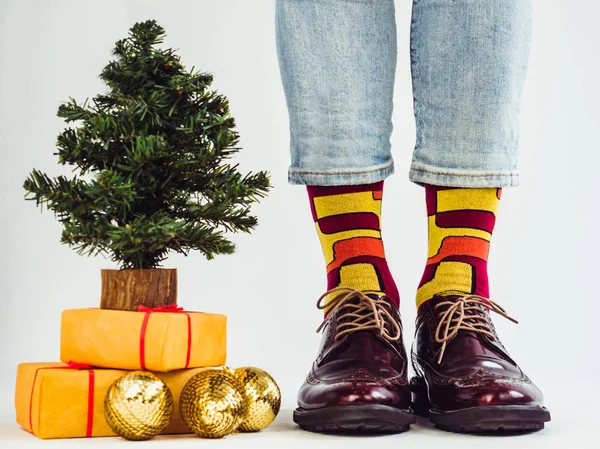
(574, 426)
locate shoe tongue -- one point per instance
(343, 313)
(346, 313)
(476, 310)
(471, 310)
(356, 301)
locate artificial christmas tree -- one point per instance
(152, 158)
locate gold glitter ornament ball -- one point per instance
(262, 395)
(138, 406)
(212, 403)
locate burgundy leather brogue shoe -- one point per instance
(465, 380)
(358, 382)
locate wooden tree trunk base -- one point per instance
(128, 289)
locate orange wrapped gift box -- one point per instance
(53, 400)
(163, 339)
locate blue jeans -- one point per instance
(338, 61)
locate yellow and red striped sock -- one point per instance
(461, 222)
(348, 222)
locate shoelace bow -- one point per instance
(369, 313)
(466, 313)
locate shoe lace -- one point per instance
(467, 312)
(368, 313)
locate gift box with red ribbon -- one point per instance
(162, 339)
(57, 400)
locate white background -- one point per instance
(544, 257)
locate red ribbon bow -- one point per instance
(170, 308)
(77, 366)
(167, 308)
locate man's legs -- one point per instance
(338, 62)
(348, 222)
(469, 60)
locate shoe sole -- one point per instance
(490, 418)
(355, 419)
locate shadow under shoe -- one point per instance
(466, 381)
(358, 383)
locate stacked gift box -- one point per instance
(98, 346)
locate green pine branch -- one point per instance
(152, 161)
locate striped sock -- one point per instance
(461, 222)
(348, 222)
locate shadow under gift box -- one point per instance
(151, 340)
(54, 401)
